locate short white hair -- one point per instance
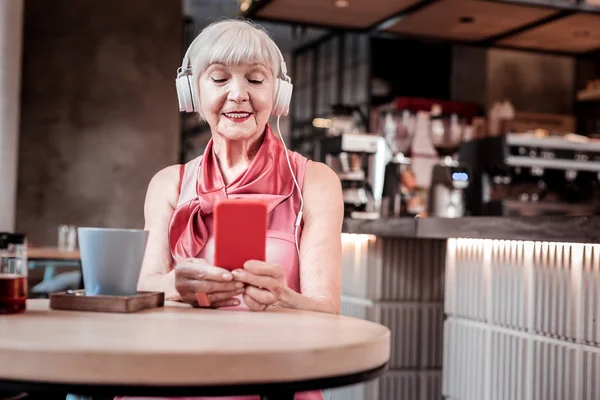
(232, 42)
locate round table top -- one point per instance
(177, 345)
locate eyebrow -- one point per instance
(255, 67)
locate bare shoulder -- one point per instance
(320, 175)
(164, 186)
(167, 175)
(322, 189)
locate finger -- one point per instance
(260, 281)
(264, 297)
(202, 270)
(204, 286)
(218, 296)
(225, 303)
(189, 298)
(263, 268)
(252, 304)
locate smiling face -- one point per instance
(236, 100)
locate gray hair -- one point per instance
(232, 42)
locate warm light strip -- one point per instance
(357, 237)
(507, 242)
(324, 123)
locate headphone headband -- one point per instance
(186, 67)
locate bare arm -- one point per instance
(157, 272)
(321, 245)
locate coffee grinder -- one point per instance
(449, 178)
(397, 126)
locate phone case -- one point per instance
(240, 231)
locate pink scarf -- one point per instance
(267, 177)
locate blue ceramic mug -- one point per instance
(111, 260)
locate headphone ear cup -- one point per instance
(190, 82)
(185, 94)
(180, 93)
(283, 98)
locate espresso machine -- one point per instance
(359, 161)
(450, 178)
(526, 174)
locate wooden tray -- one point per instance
(76, 300)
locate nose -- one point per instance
(238, 90)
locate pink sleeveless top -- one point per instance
(267, 177)
(281, 246)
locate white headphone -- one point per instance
(185, 83)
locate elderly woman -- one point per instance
(236, 85)
(236, 73)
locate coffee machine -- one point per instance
(359, 161)
(449, 178)
(529, 174)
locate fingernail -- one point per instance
(235, 272)
(239, 285)
(235, 302)
(226, 276)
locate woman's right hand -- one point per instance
(195, 275)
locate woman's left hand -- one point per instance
(265, 283)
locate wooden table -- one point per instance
(178, 350)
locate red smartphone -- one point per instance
(240, 231)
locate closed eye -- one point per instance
(254, 81)
(218, 80)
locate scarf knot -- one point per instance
(267, 178)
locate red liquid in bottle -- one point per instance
(13, 293)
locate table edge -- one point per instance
(235, 389)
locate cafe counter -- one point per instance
(479, 307)
(584, 229)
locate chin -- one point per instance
(238, 131)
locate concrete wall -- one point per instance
(99, 111)
(532, 82)
(468, 75)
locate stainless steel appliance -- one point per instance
(449, 178)
(359, 161)
(447, 191)
(523, 174)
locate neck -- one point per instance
(234, 156)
